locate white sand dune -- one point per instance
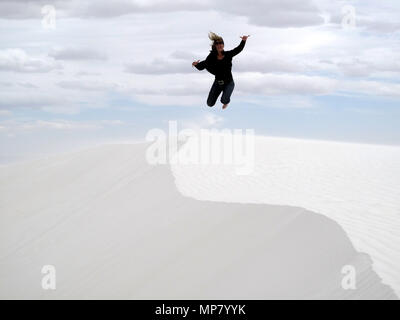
(115, 227)
(356, 185)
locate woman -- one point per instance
(219, 63)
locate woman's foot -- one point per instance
(224, 106)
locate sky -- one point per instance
(77, 73)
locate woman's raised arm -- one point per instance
(240, 47)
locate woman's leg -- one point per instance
(215, 91)
(227, 92)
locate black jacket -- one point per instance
(222, 69)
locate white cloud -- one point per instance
(27, 85)
(208, 120)
(281, 102)
(211, 120)
(259, 63)
(5, 113)
(50, 100)
(18, 60)
(85, 73)
(15, 126)
(58, 125)
(74, 53)
(14, 99)
(371, 88)
(273, 13)
(169, 100)
(159, 66)
(21, 9)
(87, 85)
(286, 84)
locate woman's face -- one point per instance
(219, 45)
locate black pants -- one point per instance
(216, 89)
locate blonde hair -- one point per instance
(214, 37)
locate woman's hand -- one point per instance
(195, 62)
(245, 37)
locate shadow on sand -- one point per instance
(116, 227)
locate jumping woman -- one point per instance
(219, 63)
